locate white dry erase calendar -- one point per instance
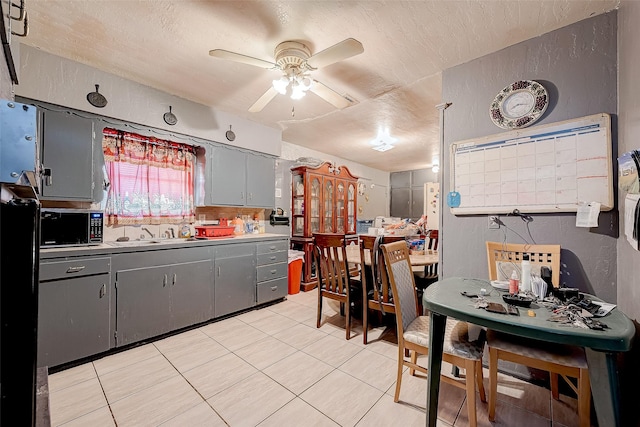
(547, 168)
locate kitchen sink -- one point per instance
(144, 242)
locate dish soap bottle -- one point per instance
(238, 225)
(526, 274)
(513, 283)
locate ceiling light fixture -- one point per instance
(384, 141)
(435, 166)
(298, 82)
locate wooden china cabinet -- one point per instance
(324, 201)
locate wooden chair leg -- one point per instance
(470, 366)
(480, 381)
(401, 351)
(414, 360)
(348, 317)
(365, 315)
(584, 398)
(319, 306)
(553, 378)
(493, 382)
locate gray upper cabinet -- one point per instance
(240, 178)
(261, 180)
(67, 154)
(407, 192)
(228, 176)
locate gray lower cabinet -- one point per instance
(161, 291)
(235, 278)
(272, 271)
(74, 309)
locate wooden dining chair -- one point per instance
(564, 360)
(376, 293)
(334, 278)
(463, 343)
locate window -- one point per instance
(151, 181)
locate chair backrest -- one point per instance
(367, 243)
(398, 265)
(331, 262)
(539, 255)
(431, 240)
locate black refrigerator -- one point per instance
(19, 261)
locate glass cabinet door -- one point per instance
(351, 209)
(314, 214)
(298, 205)
(340, 202)
(328, 206)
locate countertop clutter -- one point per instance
(151, 244)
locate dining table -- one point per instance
(423, 258)
(444, 298)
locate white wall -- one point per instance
(374, 201)
(56, 80)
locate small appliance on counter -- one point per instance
(278, 217)
(70, 227)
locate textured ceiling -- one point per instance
(396, 82)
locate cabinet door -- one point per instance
(400, 202)
(73, 319)
(67, 150)
(143, 296)
(315, 207)
(191, 293)
(328, 205)
(417, 202)
(235, 279)
(261, 181)
(340, 206)
(400, 179)
(228, 177)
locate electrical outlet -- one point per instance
(493, 222)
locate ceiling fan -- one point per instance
(294, 60)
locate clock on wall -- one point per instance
(519, 105)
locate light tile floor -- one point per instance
(273, 367)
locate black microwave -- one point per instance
(70, 227)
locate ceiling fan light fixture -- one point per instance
(281, 84)
(383, 147)
(297, 91)
(384, 141)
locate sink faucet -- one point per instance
(150, 233)
(170, 233)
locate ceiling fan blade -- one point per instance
(244, 59)
(263, 100)
(343, 50)
(329, 95)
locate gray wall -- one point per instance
(577, 65)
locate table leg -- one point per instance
(436, 344)
(603, 374)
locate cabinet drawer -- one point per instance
(273, 257)
(272, 290)
(268, 247)
(273, 271)
(74, 268)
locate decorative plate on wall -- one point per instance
(519, 105)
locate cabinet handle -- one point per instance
(75, 269)
(273, 258)
(175, 278)
(103, 290)
(218, 271)
(165, 280)
(242, 195)
(250, 196)
(274, 288)
(274, 271)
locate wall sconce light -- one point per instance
(435, 167)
